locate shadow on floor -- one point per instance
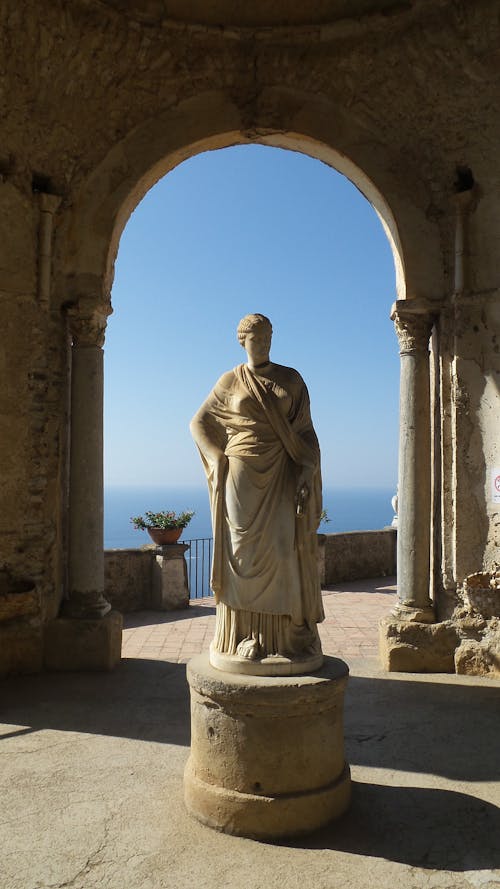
(421, 827)
(444, 728)
(142, 699)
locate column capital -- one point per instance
(87, 322)
(413, 320)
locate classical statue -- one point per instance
(262, 461)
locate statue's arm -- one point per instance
(311, 439)
(210, 437)
(206, 433)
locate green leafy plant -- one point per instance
(324, 517)
(165, 520)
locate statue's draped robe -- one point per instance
(265, 556)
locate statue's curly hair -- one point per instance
(251, 322)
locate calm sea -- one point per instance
(348, 510)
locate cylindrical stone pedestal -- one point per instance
(267, 752)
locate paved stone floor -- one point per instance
(91, 773)
(350, 628)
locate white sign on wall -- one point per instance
(495, 485)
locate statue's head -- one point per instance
(253, 324)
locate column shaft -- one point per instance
(86, 544)
(414, 501)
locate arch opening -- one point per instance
(291, 353)
(287, 141)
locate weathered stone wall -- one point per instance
(359, 554)
(477, 406)
(128, 577)
(470, 442)
(33, 427)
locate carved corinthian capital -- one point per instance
(87, 322)
(413, 326)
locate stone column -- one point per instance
(86, 535)
(87, 635)
(413, 321)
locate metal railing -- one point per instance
(199, 561)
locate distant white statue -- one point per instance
(262, 461)
(394, 504)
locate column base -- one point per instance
(83, 644)
(90, 605)
(414, 613)
(267, 752)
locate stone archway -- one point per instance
(89, 237)
(87, 248)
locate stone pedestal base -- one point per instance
(170, 588)
(267, 753)
(83, 644)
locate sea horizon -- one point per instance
(348, 509)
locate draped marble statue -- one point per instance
(262, 461)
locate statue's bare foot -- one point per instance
(248, 648)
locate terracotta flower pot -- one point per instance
(164, 536)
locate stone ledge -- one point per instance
(82, 644)
(171, 551)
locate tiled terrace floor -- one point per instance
(350, 628)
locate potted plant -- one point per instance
(163, 527)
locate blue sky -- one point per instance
(251, 229)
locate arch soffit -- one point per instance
(108, 196)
